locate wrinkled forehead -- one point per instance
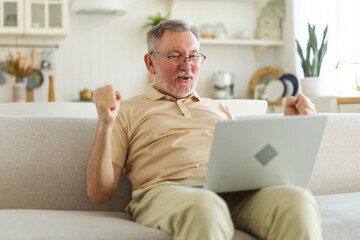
(179, 41)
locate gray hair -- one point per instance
(154, 35)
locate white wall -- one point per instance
(103, 50)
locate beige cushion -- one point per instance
(337, 167)
(340, 215)
(45, 160)
(72, 225)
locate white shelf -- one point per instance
(258, 44)
(242, 42)
(260, 4)
(254, 1)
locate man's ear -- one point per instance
(148, 58)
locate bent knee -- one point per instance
(206, 205)
(298, 200)
(295, 195)
(207, 200)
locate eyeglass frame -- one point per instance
(177, 58)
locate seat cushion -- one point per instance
(53, 224)
(340, 215)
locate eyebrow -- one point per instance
(177, 51)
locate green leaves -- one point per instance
(155, 20)
(278, 8)
(314, 56)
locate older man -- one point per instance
(161, 141)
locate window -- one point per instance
(343, 18)
(348, 45)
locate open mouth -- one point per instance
(184, 78)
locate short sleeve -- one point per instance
(119, 143)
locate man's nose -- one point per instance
(186, 63)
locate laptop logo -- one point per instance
(266, 154)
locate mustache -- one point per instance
(182, 74)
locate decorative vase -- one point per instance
(19, 89)
(314, 87)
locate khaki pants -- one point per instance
(282, 212)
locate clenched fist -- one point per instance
(299, 105)
(107, 102)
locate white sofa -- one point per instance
(43, 182)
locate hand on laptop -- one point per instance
(299, 105)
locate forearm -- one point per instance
(101, 179)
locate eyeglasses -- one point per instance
(193, 59)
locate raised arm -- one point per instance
(102, 175)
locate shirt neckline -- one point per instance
(155, 95)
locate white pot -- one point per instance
(315, 86)
(19, 89)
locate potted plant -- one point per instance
(155, 20)
(20, 69)
(312, 84)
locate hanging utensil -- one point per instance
(51, 89)
(35, 80)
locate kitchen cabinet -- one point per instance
(322, 105)
(34, 17)
(46, 17)
(349, 105)
(11, 16)
(325, 105)
(275, 107)
(349, 108)
(333, 104)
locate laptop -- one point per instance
(257, 152)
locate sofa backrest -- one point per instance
(50, 109)
(44, 149)
(337, 169)
(88, 109)
(246, 106)
(43, 164)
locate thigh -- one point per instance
(181, 210)
(268, 212)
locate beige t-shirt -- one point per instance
(157, 137)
